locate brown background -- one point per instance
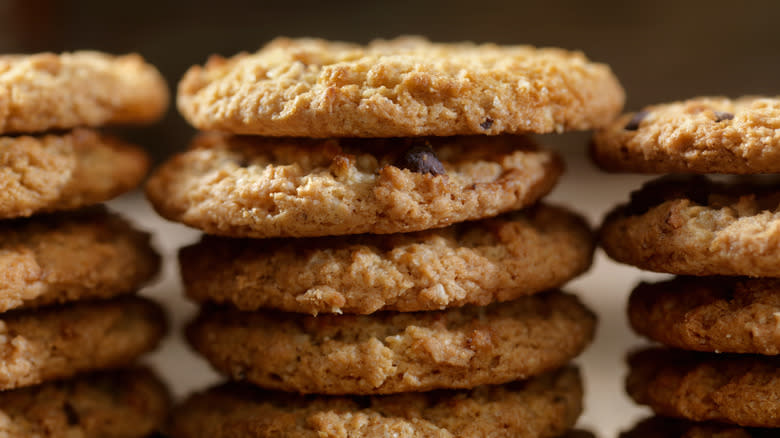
(661, 50)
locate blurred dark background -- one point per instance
(661, 50)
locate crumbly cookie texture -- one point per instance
(545, 406)
(715, 314)
(701, 135)
(496, 259)
(395, 352)
(732, 389)
(128, 403)
(48, 91)
(692, 226)
(53, 343)
(662, 427)
(65, 171)
(399, 88)
(86, 254)
(268, 187)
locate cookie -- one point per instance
(545, 406)
(58, 342)
(661, 427)
(734, 389)
(86, 254)
(701, 135)
(478, 263)
(128, 403)
(65, 171)
(395, 352)
(693, 226)
(47, 91)
(714, 314)
(399, 88)
(266, 187)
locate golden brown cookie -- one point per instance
(86, 254)
(663, 427)
(734, 389)
(399, 88)
(693, 226)
(58, 342)
(65, 171)
(47, 91)
(545, 406)
(128, 403)
(266, 187)
(700, 135)
(395, 352)
(714, 314)
(497, 259)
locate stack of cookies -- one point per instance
(721, 316)
(67, 265)
(395, 274)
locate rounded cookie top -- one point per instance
(399, 88)
(496, 259)
(48, 91)
(395, 352)
(86, 254)
(663, 427)
(127, 403)
(733, 389)
(701, 135)
(545, 406)
(269, 187)
(715, 314)
(693, 226)
(54, 343)
(65, 171)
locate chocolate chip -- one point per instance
(421, 159)
(487, 123)
(633, 124)
(70, 414)
(722, 115)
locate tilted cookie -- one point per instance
(268, 187)
(128, 403)
(701, 135)
(58, 342)
(734, 389)
(545, 406)
(663, 427)
(714, 314)
(496, 259)
(48, 91)
(693, 226)
(65, 171)
(393, 352)
(87, 254)
(398, 88)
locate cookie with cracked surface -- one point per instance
(65, 171)
(726, 388)
(496, 259)
(399, 88)
(269, 187)
(58, 342)
(662, 427)
(694, 226)
(545, 406)
(127, 403)
(713, 314)
(700, 135)
(81, 255)
(394, 352)
(47, 91)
